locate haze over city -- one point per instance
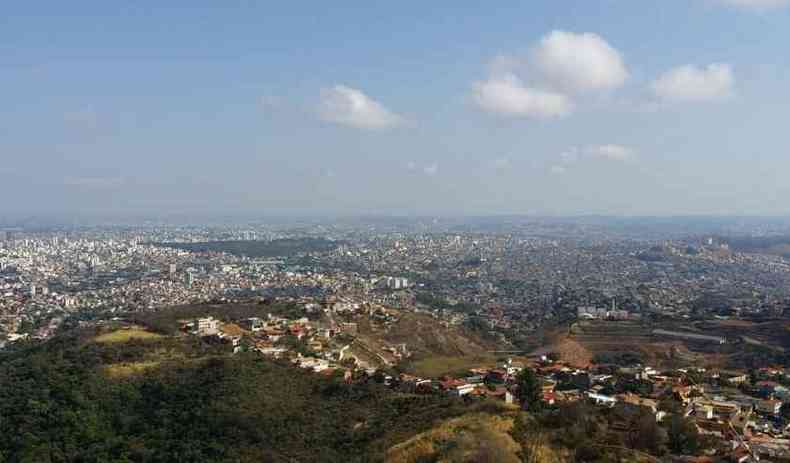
(542, 231)
(552, 108)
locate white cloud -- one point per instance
(579, 62)
(501, 163)
(431, 169)
(692, 83)
(542, 84)
(507, 95)
(558, 169)
(611, 152)
(411, 165)
(757, 4)
(350, 107)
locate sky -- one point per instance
(541, 107)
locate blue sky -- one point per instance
(628, 107)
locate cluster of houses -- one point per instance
(262, 334)
(317, 348)
(742, 412)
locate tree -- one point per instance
(529, 392)
(647, 435)
(587, 451)
(670, 405)
(683, 435)
(378, 376)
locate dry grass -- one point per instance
(233, 329)
(472, 437)
(572, 352)
(424, 335)
(438, 366)
(124, 335)
(125, 370)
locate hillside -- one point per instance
(472, 437)
(124, 393)
(436, 348)
(108, 396)
(428, 336)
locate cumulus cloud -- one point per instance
(579, 62)
(558, 169)
(757, 4)
(509, 96)
(692, 83)
(350, 107)
(561, 66)
(501, 163)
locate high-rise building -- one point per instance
(172, 270)
(188, 279)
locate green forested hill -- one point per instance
(131, 395)
(193, 402)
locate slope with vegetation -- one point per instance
(477, 437)
(163, 398)
(437, 348)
